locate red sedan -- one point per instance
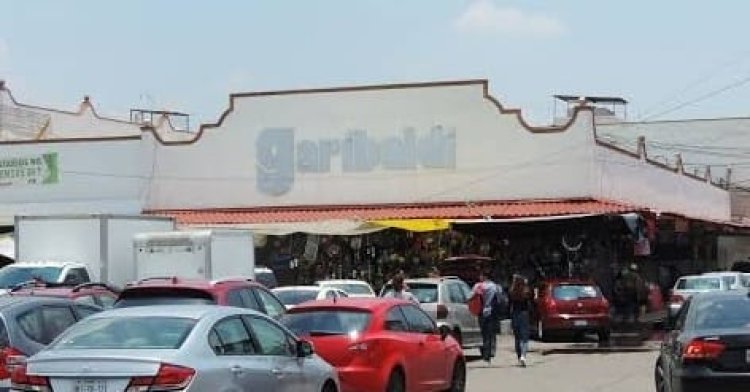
(380, 344)
(571, 305)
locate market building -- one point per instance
(361, 181)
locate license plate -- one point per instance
(90, 386)
(580, 323)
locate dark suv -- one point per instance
(178, 291)
(97, 294)
(29, 323)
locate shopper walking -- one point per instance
(520, 303)
(489, 318)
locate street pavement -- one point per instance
(562, 367)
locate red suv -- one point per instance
(571, 306)
(173, 290)
(97, 294)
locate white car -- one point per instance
(353, 287)
(66, 273)
(687, 286)
(292, 296)
(733, 280)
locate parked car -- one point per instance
(687, 286)
(51, 272)
(177, 291)
(266, 277)
(291, 296)
(353, 287)
(709, 346)
(466, 267)
(97, 294)
(29, 323)
(381, 344)
(444, 299)
(570, 306)
(170, 348)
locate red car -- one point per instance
(229, 292)
(97, 294)
(572, 306)
(380, 344)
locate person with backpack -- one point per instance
(520, 304)
(489, 295)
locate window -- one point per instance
(325, 322)
(143, 296)
(575, 291)
(394, 320)
(273, 307)
(296, 297)
(234, 298)
(426, 293)
(77, 276)
(271, 339)
(231, 338)
(251, 302)
(86, 299)
(107, 301)
(44, 324)
(330, 294)
(418, 320)
(455, 294)
(113, 333)
(85, 310)
(679, 324)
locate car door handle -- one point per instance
(236, 369)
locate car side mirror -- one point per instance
(304, 349)
(444, 333)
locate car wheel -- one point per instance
(329, 387)
(660, 379)
(458, 379)
(396, 382)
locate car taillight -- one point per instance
(550, 304)
(699, 349)
(21, 381)
(10, 358)
(169, 378)
(442, 312)
(676, 299)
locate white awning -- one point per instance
(327, 227)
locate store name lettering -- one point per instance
(280, 154)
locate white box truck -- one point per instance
(101, 243)
(196, 254)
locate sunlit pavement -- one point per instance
(561, 367)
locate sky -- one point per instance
(669, 58)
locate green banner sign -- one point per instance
(30, 170)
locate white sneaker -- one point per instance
(523, 361)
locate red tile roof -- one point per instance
(474, 210)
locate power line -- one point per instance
(703, 97)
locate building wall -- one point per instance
(731, 249)
(260, 154)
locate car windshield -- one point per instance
(575, 291)
(699, 283)
(426, 293)
(327, 322)
(351, 288)
(13, 275)
(163, 296)
(295, 297)
(126, 333)
(722, 313)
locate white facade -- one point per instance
(421, 143)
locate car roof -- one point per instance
(350, 303)
(722, 273)
(186, 311)
(296, 288)
(46, 263)
(347, 281)
(7, 301)
(716, 294)
(561, 281)
(200, 284)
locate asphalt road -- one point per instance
(562, 367)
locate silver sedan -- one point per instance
(176, 348)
